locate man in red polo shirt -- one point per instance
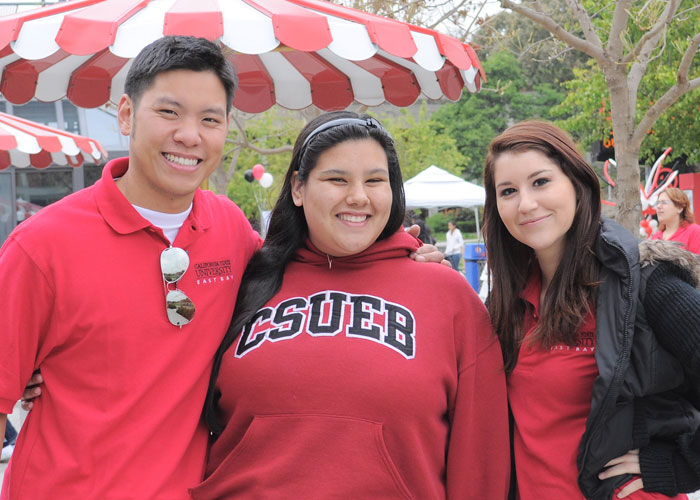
(95, 299)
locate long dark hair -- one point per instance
(288, 230)
(571, 293)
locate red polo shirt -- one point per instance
(83, 300)
(550, 396)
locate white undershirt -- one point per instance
(170, 224)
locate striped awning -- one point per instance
(24, 143)
(295, 53)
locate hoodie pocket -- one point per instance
(307, 456)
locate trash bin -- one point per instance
(473, 254)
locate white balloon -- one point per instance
(642, 232)
(654, 224)
(266, 180)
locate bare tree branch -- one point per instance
(619, 23)
(584, 21)
(558, 31)
(682, 86)
(243, 142)
(476, 15)
(264, 151)
(650, 39)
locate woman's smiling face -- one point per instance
(536, 201)
(346, 197)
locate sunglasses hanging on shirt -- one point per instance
(174, 262)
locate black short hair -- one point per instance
(179, 52)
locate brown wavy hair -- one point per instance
(680, 200)
(571, 293)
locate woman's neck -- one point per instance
(548, 267)
(671, 228)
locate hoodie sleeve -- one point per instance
(478, 458)
(673, 311)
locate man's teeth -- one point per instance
(187, 162)
(353, 218)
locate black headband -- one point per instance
(365, 122)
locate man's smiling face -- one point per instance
(177, 130)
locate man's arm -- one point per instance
(3, 422)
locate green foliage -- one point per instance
(268, 130)
(464, 220)
(586, 110)
(438, 223)
(420, 145)
(477, 118)
(541, 58)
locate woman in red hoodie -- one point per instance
(350, 371)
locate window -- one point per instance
(7, 220)
(36, 189)
(40, 112)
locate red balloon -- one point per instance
(258, 171)
(644, 223)
(647, 230)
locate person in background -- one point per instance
(424, 235)
(600, 335)
(676, 220)
(350, 371)
(455, 244)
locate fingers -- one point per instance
(630, 456)
(447, 263)
(30, 393)
(33, 390)
(428, 248)
(626, 464)
(630, 488)
(36, 379)
(414, 230)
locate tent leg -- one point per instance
(478, 229)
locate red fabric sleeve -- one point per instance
(478, 461)
(26, 309)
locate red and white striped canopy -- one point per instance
(24, 143)
(294, 53)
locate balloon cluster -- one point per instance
(648, 226)
(257, 173)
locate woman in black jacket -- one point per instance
(601, 340)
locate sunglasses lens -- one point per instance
(179, 307)
(173, 263)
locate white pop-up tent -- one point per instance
(437, 188)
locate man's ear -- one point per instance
(297, 190)
(125, 114)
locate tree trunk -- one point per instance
(622, 105)
(629, 205)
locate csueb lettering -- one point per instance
(331, 313)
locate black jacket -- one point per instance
(645, 394)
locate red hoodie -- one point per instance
(365, 377)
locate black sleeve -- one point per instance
(673, 311)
